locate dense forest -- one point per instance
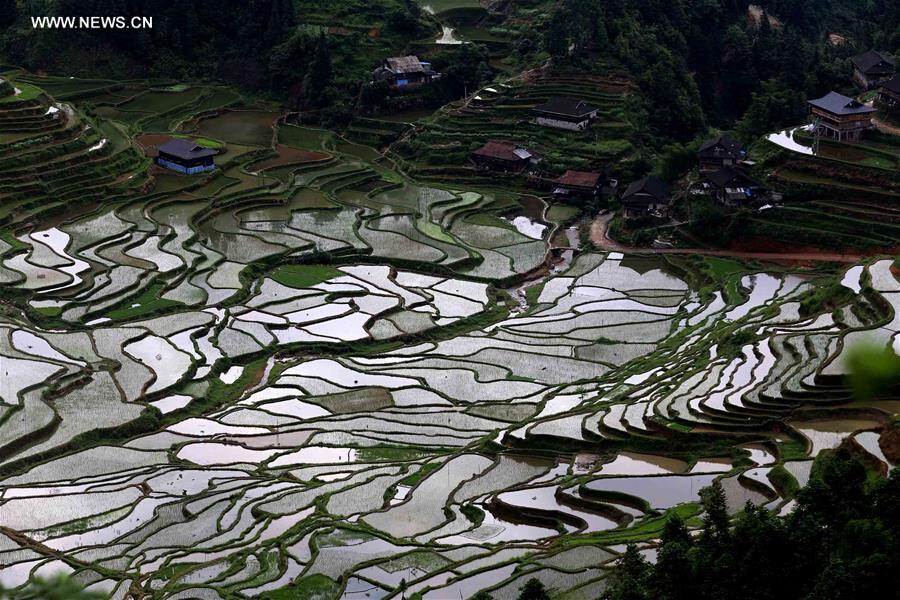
(840, 543)
(715, 63)
(721, 64)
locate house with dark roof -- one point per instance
(720, 151)
(872, 67)
(647, 197)
(731, 187)
(578, 186)
(889, 94)
(404, 71)
(563, 112)
(503, 156)
(185, 156)
(840, 117)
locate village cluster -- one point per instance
(724, 168)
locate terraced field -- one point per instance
(442, 145)
(844, 196)
(308, 369)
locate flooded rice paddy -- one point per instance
(315, 372)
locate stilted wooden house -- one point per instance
(185, 156)
(840, 118)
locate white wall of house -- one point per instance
(547, 122)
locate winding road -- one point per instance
(600, 238)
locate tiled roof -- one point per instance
(185, 149)
(874, 62)
(405, 64)
(731, 146)
(563, 105)
(501, 151)
(583, 179)
(840, 104)
(639, 191)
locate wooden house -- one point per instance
(889, 94)
(578, 187)
(872, 67)
(185, 156)
(720, 151)
(647, 197)
(565, 113)
(840, 118)
(732, 187)
(503, 156)
(404, 71)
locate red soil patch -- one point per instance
(149, 141)
(290, 156)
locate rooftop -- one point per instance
(563, 105)
(731, 146)
(405, 64)
(583, 179)
(892, 84)
(503, 151)
(840, 104)
(874, 61)
(729, 177)
(648, 186)
(186, 149)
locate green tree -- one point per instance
(57, 588)
(631, 579)
(672, 577)
(715, 507)
(556, 42)
(320, 74)
(533, 590)
(874, 370)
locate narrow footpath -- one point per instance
(885, 127)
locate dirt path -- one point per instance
(601, 239)
(885, 127)
(599, 236)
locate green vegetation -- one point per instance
(824, 298)
(26, 92)
(423, 472)
(533, 590)
(273, 428)
(645, 529)
(58, 588)
(875, 370)
(303, 276)
(838, 543)
(149, 301)
(313, 587)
